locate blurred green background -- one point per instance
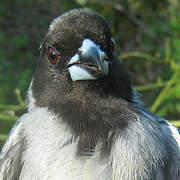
(147, 36)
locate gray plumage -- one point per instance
(94, 129)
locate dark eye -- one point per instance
(52, 55)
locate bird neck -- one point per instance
(91, 116)
(91, 109)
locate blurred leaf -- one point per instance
(20, 41)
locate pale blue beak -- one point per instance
(90, 63)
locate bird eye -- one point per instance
(52, 55)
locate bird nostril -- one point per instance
(79, 52)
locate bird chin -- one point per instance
(81, 72)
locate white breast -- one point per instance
(50, 151)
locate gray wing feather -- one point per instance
(10, 156)
(171, 170)
(169, 136)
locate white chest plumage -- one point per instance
(41, 147)
(50, 151)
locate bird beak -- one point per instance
(90, 62)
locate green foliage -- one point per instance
(147, 35)
(9, 114)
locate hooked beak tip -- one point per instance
(88, 63)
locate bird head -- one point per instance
(80, 41)
(76, 56)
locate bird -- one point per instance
(84, 119)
